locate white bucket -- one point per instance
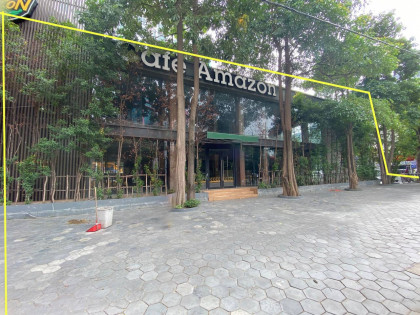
(105, 216)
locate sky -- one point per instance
(407, 10)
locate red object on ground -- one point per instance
(95, 228)
(335, 189)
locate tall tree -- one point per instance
(398, 90)
(351, 59)
(296, 40)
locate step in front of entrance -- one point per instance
(232, 193)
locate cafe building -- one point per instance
(238, 136)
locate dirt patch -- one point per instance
(74, 221)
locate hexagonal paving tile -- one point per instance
(209, 302)
(375, 307)
(314, 294)
(395, 307)
(229, 304)
(171, 299)
(153, 297)
(275, 294)
(176, 310)
(333, 294)
(353, 295)
(202, 290)
(190, 301)
(372, 295)
(355, 307)
(294, 294)
(220, 291)
(250, 305)
(150, 275)
(218, 311)
(270, 306)
(135, 308)
(333, 307)
(291, 307)
(184, 289)
(312, 307)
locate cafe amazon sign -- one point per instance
(167, 63)
(20, 8)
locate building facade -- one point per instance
(238, 137)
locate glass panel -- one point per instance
(214, 168)
(228, 176)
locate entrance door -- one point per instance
(221, 168)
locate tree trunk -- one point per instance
(53, 180)
(289, 183)
(418, 150)
(327, 165)
(44, 192)
(180, 135)
(172, 152)
(191, 129)
(384, 178)
(351, 162)
(389, 154)
(119, 153)
(77, 188)
(305, 136)
(265, 176)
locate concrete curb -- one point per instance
(88, 206)
(274, 192)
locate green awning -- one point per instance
(231, 136)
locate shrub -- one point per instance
(30, 170)
(109, 193)
(100, 193)
(136, 175)
(191, 203)
(199, 178)
(119, 181)
(263, 185)
(155, 182)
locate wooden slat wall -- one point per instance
(29, 117)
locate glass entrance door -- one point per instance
(221, 168)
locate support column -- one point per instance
(240, 154)
(207, 168)
(266, 179)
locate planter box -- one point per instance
(105, 215)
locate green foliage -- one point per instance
(119, 181)
(108, 192)
(155, 181)
(366, 171)
(262, 185)
(98, 177)
(179, 207)
(191, 203)
(9, 180)
(199, 178)
(100, 193)
(136, 175)
(303, 171)
(29, 171)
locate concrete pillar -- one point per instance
(240, 156)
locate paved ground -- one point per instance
(336, 252)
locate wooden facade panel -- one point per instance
(26, 123)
